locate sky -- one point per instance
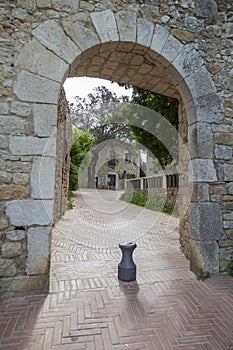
(83, 86)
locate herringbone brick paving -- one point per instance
(89, 308)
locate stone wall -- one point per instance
(114, 150)
(64, 140)
(131, 169)
(185, 187)
(180, 48)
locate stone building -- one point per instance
(117, 161)
(180, 48)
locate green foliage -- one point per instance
(168, 209)
(139, 198)
(127, 196)
(153, 144)
(202, 274)
(98, 114)
(79, 155)
(230, 267)
(142, 199)
(164, 106)
(73, 178)
(157, 204)
(81, 145)
(69, 200)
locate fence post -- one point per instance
(141, 184)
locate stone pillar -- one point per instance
(205, 211)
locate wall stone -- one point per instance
(202, 170)
(39, 250)
(20, 179)
(43, 177)
(207, 215)
(13, 192)
(181, 49)
(34, 55)
(21, 109)
(45, 120)
(12, 125)
(32, 146)
(34, 88)
(29, 212)
(16, 236)
(10, 250)
(7, 268)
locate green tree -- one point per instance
(141, 126)
(79, 155)
(99, 114)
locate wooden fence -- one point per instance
(151, 183)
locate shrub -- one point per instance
(73, 178)
(139, 198)
(79, 155)
(151, 202)
(69, 200)
(127, 196)
(155, 203)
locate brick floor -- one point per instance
(89, 308)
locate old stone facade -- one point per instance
(180, 48)
(116, 161)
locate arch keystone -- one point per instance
(127, 25)
(51, 35)
(108, 31)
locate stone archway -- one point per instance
(113, 46)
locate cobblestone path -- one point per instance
(89, 308)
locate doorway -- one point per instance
(111, 181)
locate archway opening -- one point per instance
(130, 63)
